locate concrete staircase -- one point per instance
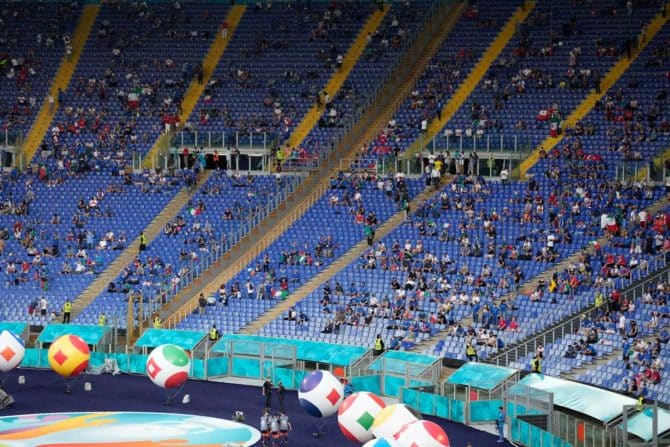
(61, 80)
(337, 79)
(476, 74)
(196, 89)
(587, 104)
(546, 275)
(389, 97)
(328, 273)
(152, 231)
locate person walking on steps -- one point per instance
(143, 241)
(158, 323)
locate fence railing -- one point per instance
(489, 165)
(209, 140)
(355, 131)
(466, 141)
(577, 309)
(196, 268)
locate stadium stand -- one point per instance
(555, 265)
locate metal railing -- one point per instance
(355, 131)
(255, 250)
(574, 314)
(207, 139)
(490, 165)
(456, 141)
(197, 268)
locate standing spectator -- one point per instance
(224, 29)
(471, 353)
(213, 333)
(500, 425)
(43, 306)
(280, 395)
(536, 364)
(143, 241)
(267, 392)
(202, 304)
(378, 346)
(67, 311)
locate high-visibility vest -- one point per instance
(102, 320)
(470, 350)
(536, 365)
(143, 239)
(157, 323)
(213, 334)
(67, 307)
(378, 344)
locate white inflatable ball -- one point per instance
(168, 366)
(383, 442)
(391, 419)
(320, 394)
(12, 351)
(423, 433)
(357, 414)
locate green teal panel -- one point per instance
(410, 397)
(484, 410)
(456, 412)
(426, 403)
(536, 435)
(246, 368)
(97, 359)
(187, 340)
(515, 428)
(198, 369)
(366, 383)
(31, 359)
(548, 440)
(524, 433)
(267, 368)
(419, 383)
(11, 326)
(286, 377)
(442, 407)
(138, 363)
(481, 375)
(217, 366)
(330, 353)
(92, 335)
(392, 385)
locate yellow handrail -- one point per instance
(317, 191)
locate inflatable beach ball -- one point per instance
(12, 351)
(69, 355)
(168, 366)
(383, 442)
(320, 394)
(392, 419)
(357, 414)
(423, 433)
